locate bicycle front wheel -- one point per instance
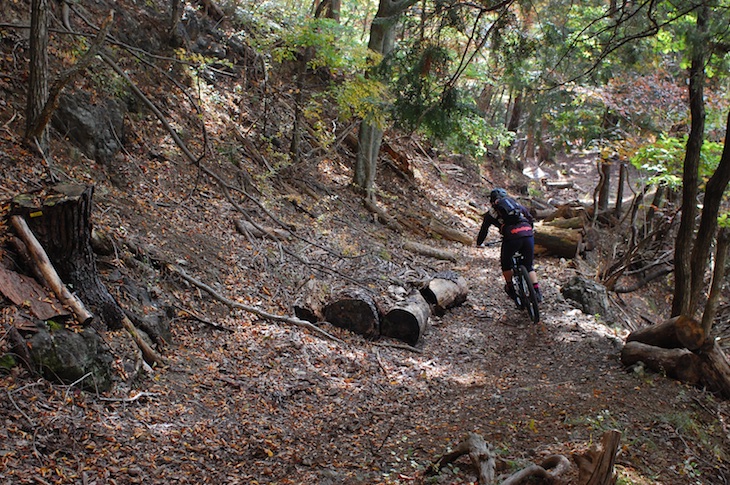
(527, 293)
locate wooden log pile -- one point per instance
(680, 349)
(405, 319)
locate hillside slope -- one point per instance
(270, 402)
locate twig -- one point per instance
(65, 395)
(129, 399)
(250, 309)
(19, 410)
(399, 346)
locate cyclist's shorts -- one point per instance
(525, 245)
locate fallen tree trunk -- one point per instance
(445, 290)
(680, 364)
(561, 242)
(407, 320)
(429, 251)
(354, 310)
(450, 233)
(677, 332)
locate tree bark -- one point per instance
(38, 82)
(677, 332)
(564, 243)
(681, 302)
(382, 40)
(480, 453)
(429, 251)
(680, 364)
(407, 320)
(708, 222)
(49, 273)
(716, 370)
(597, 466)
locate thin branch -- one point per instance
(234, 304)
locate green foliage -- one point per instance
(328, 43)
(364, 98)
(578, 122)
(663, 160)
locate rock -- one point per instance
(590, 296)
(97, 128)
(65, 356)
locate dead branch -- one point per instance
(191, 314)
(234, 304)
(480, 453)
(429, 251)
(49, 273)
(551, 469)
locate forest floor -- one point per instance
(273, 403)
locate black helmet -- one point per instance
(497, 194)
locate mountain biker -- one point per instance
(515, 224)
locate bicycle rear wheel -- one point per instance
(527, 294)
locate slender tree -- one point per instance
(38, 83)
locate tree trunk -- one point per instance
(61, 220)
(446, 290)
(564, 243)
(680, 364)
(714, 191)
(718, 275)
(354, 310)
(681, 302)
(382, 40)
(716, 370)
(38, 82)
(677, 332)
(407, 320)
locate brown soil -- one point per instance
(274, 403)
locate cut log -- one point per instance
(308, 305)
(677, 332)
(596, 467)
(354, 310)
(558, 184)
(680, 364)
(572, 223)
(716, 370)
(407, 320)
(61, 220)
(450, 233)
(446, 290)
(564, 243)
(429, 251)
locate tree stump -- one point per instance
(61, 220)
(354, 310)
(596, 466)
(407, 320)
(446, 290)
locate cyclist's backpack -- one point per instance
(509, 211)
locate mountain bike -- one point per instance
(526, 296)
